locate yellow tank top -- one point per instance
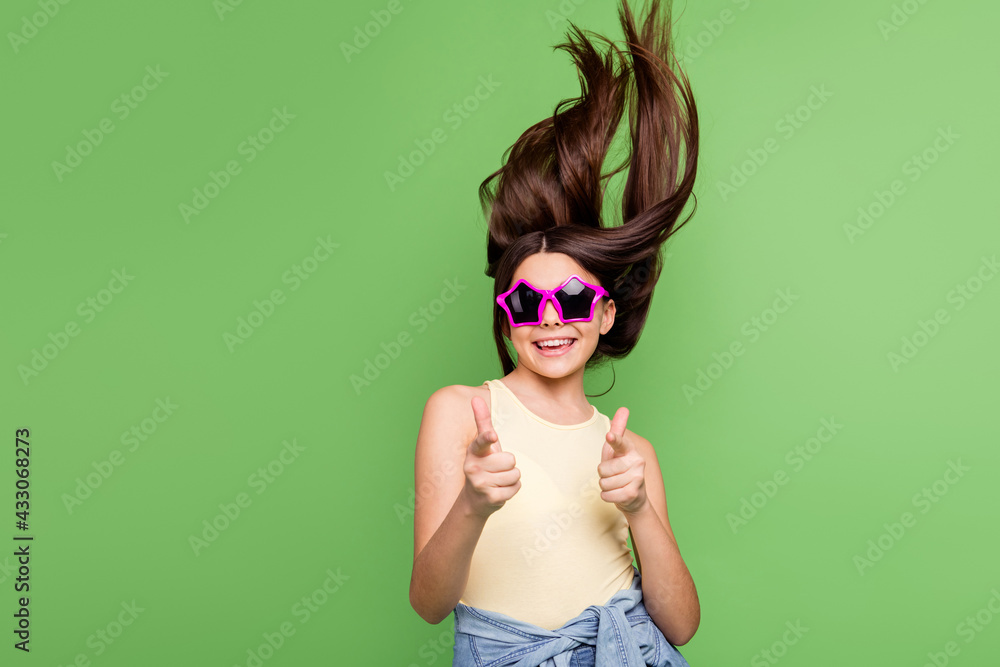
(556, 547)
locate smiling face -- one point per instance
(548, 270)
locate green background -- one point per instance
(342, 504)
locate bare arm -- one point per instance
(461, 479)
(667, 587)
(441, 569)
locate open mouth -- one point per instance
(555, 347)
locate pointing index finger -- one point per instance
(618, 423)
(486, 436)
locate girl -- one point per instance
(525, 501)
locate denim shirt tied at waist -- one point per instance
(621, 631)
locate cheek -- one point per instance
(520, 339)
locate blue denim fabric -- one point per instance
(618, 634)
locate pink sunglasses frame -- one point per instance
(549, 294)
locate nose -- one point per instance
(550, 315)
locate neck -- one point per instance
(565, 391)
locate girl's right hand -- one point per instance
(490, 476)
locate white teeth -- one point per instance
(555, 343)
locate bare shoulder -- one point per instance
(448, 412)
(644, 446)
(648, 453)
(447, 428)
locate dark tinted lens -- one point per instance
(575, 299)
(523, 304)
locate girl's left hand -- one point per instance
(622, 468)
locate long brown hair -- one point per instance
(548, 196)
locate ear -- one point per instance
(609, 316)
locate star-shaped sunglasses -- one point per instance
(575, 301)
